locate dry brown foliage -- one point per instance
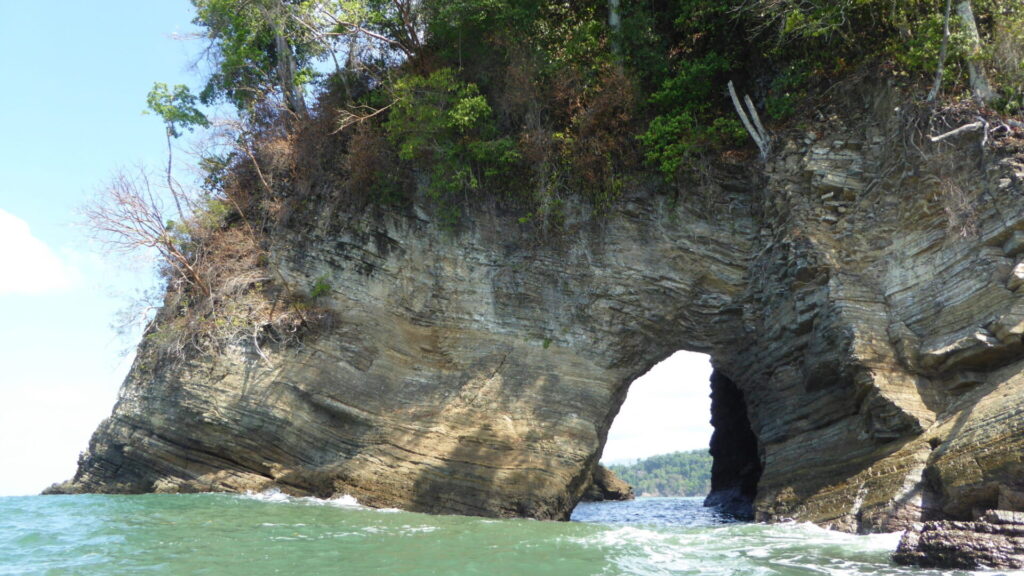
(128, 215)
(220, 290)
(371, 165)
(519, 102)
(603, 146)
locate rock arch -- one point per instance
(478, 371)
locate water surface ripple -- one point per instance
(220, 534)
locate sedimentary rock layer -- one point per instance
(996, 541)
(606, 485)
(862, 304)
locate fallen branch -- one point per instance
(965, 128)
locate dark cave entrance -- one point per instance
(668, 410)
(736, 466)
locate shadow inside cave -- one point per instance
(737, 461)
(666, 411)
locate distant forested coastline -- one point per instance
(676, 474)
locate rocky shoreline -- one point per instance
(996, 540)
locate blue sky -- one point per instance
(74, 81)
(666, 410)
(75, 77)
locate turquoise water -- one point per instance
(220, 534)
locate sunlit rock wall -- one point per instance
(865, 303)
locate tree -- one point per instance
(257, 49)
(940, 69)
(675, 474)
(128, 215)
(615, 23)
(265, 48)
(177, 108)
(980, 86)
(393, 24)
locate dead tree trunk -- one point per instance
(934, 92)
(615, 23)
(980, 87)
(752, 123)
(287, 69)
(286, 72)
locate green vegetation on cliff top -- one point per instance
(676, 474)
(336, 105)
(461, 98)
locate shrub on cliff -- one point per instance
(445, 126)
(556, 95)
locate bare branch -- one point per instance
(348, 117)
(351, 28)
(128, 216)
(256, 329)
(965, 128)
(758, 133)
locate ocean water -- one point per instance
(218, 534)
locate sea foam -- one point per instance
(275, 495)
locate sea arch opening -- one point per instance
(683, 405)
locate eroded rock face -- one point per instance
(736, 464)
(865, 306)
(606, 485)
(995, 541)
(474, 372)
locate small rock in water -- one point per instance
(606, 485)
(996, 541)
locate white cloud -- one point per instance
(58, 420)
(27, 264)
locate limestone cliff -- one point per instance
(862, 305)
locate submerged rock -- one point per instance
(731, 502)
(996, 541)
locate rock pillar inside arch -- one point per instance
(737, 464)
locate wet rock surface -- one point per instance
(995, 541)
(865, 306)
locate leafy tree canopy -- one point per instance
(675, 474)
(177, 107)
(573, 98)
